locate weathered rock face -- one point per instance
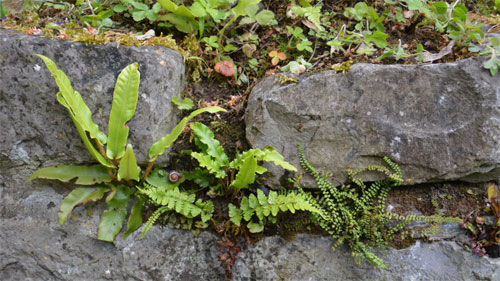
(311, 258)
(35, 127)
(438, 121)
(34, 247)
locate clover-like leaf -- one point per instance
(276, 57)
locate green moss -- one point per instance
(283, 79)
(342, 67)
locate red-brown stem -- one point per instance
(101, 150)
(111, 174)
(148, 170)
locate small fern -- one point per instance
(175, 200)
(152, 219)
(268, 207)
(239, 173)
(356, 215)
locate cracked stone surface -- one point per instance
(437, 121)
(36, 128)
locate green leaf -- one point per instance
(495, 42)
(181, 23)
(387, 54)
(255, 227)
(128, 168)
(272, 198)
(251, 10)
(200, 177)
(265, 17)
(74, 102)
(260, 213)
(261, 197)
(377, 37)
(113, 218)
(159, 178)
(122, 110)
(440, 7)
(86, 175)
(111, 223)
(90, 147)
(120, 8)
(198, 10)
(235, 214)
(271, 155)
(247, 215)
(420, 48)
(252, 201)
(205, 140)
(181, 202)
(178, 10)
(79, 195)
(239, 10)
(460, 12)
(211, 164)
(244, 204)
(139, 15)
(135, 218)
(492, 64)
(156, 8)
(184, 104)
(158, 148)
(246, 174)
(230, 48)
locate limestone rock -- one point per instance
(36, 128)
(311, 258)
(35, 247)
(437, 121)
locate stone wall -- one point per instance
(37, 132)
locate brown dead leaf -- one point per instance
(309, 24)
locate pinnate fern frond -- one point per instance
(152, 219)
(212, 154)
(178, 201)
(263, 206)
(356, 215)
